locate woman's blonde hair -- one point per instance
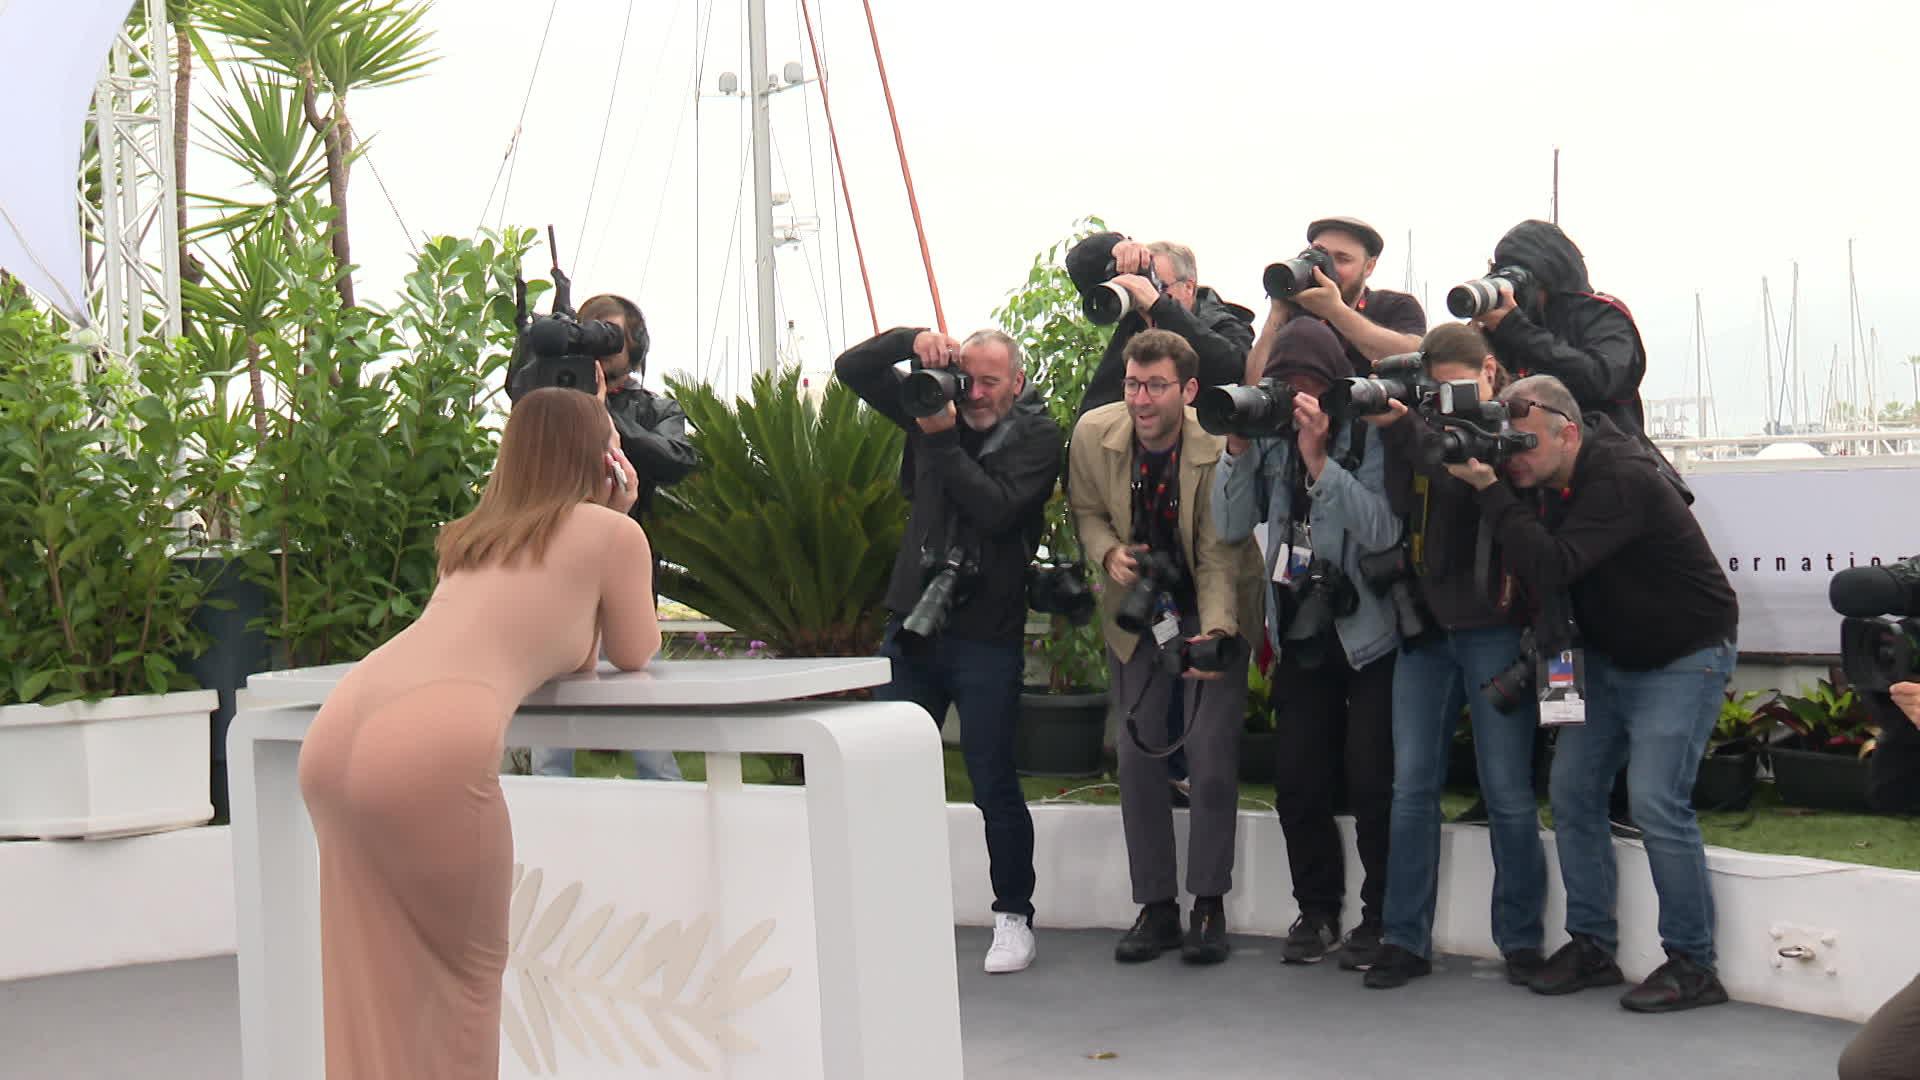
(553, 457)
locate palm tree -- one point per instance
(326, 49)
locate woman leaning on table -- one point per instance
(400, 770)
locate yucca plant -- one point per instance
(787, 530)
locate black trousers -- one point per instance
(1336, 737)
(1893, 772)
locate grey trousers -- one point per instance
(1213, 766)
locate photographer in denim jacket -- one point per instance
(1321, 490)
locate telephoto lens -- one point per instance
(1472, 299)
(1290, 276)
(927, 391)
(1513, 687)
(1251, 412)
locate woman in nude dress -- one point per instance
(400, 769)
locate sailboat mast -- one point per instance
(759, 90)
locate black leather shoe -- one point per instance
(1207, 938)
(1578, 964)
(1394, 967)
(1678, 984)
(1154, 932)
(1523, 965)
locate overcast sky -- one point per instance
(1703, 146)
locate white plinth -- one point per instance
(679, 929)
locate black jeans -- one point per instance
(1335, 724)
(982, 678)
(1893, 772)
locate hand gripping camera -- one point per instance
(1469, 428)
(1475, 298)
(1107, 302)
(1880, 634)
(1292, 276)
(1251, 412)
(559, 349)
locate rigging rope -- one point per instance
(913, 202)
(513, 143)
(605, 123)
(833, 137)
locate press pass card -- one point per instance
(1295, 557)
(1560, 700)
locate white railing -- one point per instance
(1853, 449)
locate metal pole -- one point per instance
(762, 181)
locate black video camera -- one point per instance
(1179, 656)
(1475, 298)
(1293, 276)
(1251, 412)
(946, 576)
(1108, 303)
(928, 390)
(1060, 589)
(1159, 573)
(559, 349)
(1401, 378)
(1880, 634)
(1469, 428)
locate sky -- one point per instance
(1704, 146)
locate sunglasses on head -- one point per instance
(1519, 407)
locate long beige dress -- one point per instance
(400, 772)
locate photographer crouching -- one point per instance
(1137, 287)
(1595, 515)
(1141, 482)
(1320, 489)
(611, 334)
(981, 460)
(1478, 616)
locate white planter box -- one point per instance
(117, 767)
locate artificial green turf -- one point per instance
(1768, 827)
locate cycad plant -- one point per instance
(787, 530)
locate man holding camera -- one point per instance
(1141, 482)
(1163, 290)
(1372, 324)
(1547, 320)
(653, 434)
(1319, 485)
(978, 472)
(1477, 615)
(1657, 622)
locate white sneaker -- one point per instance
(1013, 946)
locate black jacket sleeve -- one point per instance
(653, 433)
(1601, 364)
(1011, 483)
(1222, 346)
(1087, 260)
(868, 370)
(1601, 522)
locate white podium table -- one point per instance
(709, 882)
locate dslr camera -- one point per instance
(1401, 378)
(1060, 589)
(1251, 412)
(1880, 634)
(559, 349)
(1159, 573)
(1518, 683)
(1389, 574)
(1475, 298)
(947, 575)
(1179, 656)
(1283, 280)
(1108, 303)
(1468, 427)
(926, 391)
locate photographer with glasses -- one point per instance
(1142, 481)
(1477, 614)
(1138, 287)
(1589, 511)
(1320, 487)
(1328, 282)
(982, 457)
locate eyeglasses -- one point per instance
(1154, 387)
(1532, 404)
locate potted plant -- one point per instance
(1822, 763)
(1259, 741)
(1063, 716)
(101, 732)
(1730, 768)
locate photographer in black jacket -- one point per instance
(1594, 515)
(1163, 281)
(978, 478)
(1557, 325)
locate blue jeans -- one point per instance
(1427, 695)
(982, 678)
(1657, 722)
(647, 764)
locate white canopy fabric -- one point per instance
(52, 52)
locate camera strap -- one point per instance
(1186, 727)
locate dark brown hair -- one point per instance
(1464, 345)
(552, 458)
(606, 305)
(1153, 346)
